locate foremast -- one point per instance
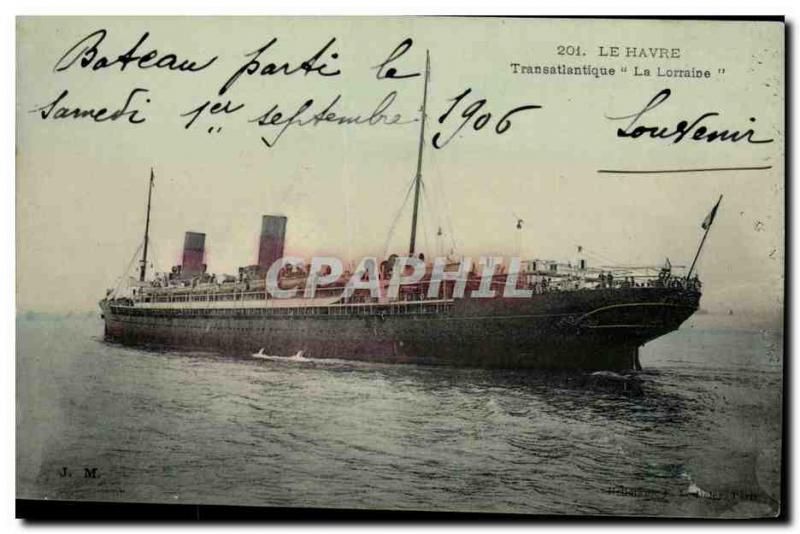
(143, 266)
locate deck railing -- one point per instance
(418, 292)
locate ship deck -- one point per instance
(284, 307)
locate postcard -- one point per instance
(524, 266)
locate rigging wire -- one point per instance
(447, 207)
(423, 226)
(597, 255)
(425, 215)
(127, 270)
(347, 207)
(396, 218)
(154, 261)
(434, 217)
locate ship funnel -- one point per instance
(270, 245)
(194, 244)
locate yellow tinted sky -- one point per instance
(81, 186)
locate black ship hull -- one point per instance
(593, 329)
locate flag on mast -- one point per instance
(705, 226)
(710, 217)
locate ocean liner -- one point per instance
(571, 315)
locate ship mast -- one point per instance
(418, 178)
(143, 267)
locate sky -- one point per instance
(82, 185)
